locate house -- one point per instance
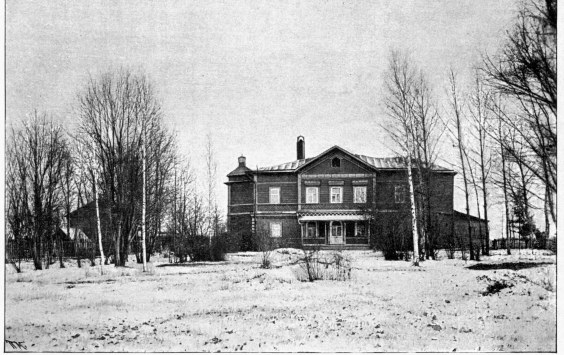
(328, 199)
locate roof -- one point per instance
(394, 163)
(241, 170)
(291, 166)
(462, 215)
(331, 216)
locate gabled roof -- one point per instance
(394, 163)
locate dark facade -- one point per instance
(329, 199)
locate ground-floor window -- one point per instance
(310, 230)
(275, 229)
(360, 229)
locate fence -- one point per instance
(23, 250)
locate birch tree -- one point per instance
(459, 140)
(399, 103)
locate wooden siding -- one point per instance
(241, 193)
(325, 194)
(288, 193)
(348, 165)
(290, 229)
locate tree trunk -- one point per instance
(144, 207)
(99, 227)
(505, 200)
(415, 231)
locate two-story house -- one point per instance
(325, 200)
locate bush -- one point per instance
(199, 248)
(316, 266)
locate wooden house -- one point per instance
(328, 199)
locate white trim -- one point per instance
(316, 195)
(332, 218)
(335, 176)
(355, 189)
(275, 212)
(331, 194)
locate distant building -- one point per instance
(330, 199)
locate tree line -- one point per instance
(121, 159)
(503, 128)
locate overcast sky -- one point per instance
(254, 74)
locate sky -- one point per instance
(252, 74)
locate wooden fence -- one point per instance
(23, 250)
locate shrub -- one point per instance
(201, 249)
(316, 266)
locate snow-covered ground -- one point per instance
(236, 306)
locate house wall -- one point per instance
(291, 233)
(461, 230)
(324, 186)
(380, 185)
(348, 165)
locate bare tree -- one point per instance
(399, 102)
(456, 106)
(524, 73)
(426, 134)
(38, 156)
(212, 210)
(482, 124)
(113, 111)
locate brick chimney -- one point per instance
(301, 147)
(242, 161)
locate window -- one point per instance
(336, 229)
(312, 195)
(400, 194)
(275, 229)
(336, 195)
(274, 195)
(311, 228)
(359, 229)
(360, 194)
(336, 162)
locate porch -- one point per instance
(335, 231)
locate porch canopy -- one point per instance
(331, 217)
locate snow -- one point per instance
(237, 306)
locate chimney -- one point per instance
(242, 161)
(301, 147)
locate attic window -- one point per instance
(336, 162)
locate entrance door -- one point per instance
(336, 233)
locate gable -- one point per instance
(348, 164)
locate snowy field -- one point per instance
(500, 304)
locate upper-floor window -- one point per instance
(275, 229)
(274, 195)
(312, 195)
(360, 194)
(336, 194)
(400, 194)
(336, 162)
